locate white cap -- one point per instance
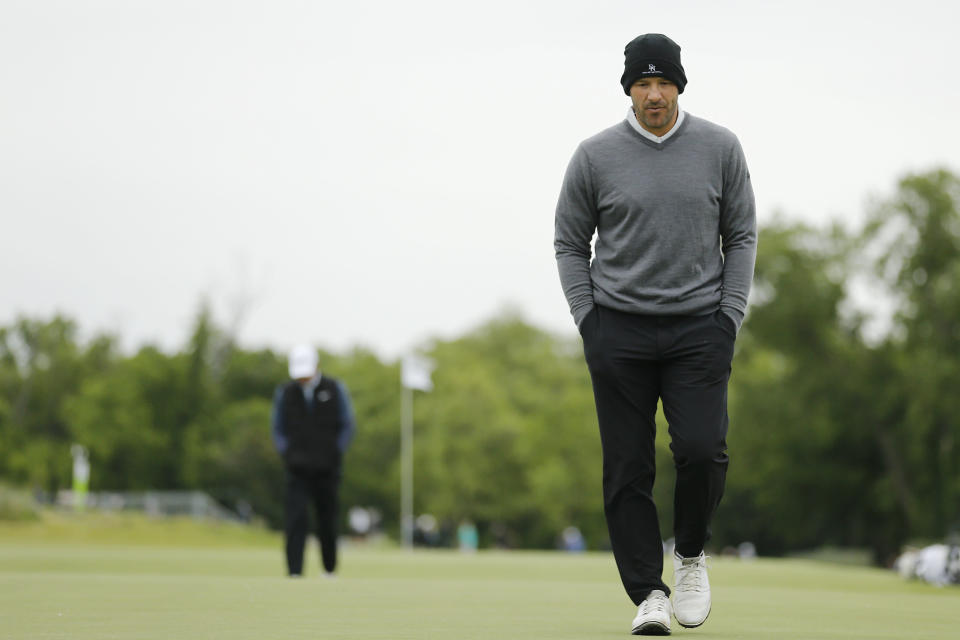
(303, 362)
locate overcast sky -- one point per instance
(379, 173)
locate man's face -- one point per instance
(655, 103)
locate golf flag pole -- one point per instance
(414, 374)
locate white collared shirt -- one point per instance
(309, 387)
(632, 119)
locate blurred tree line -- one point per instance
(836, 438)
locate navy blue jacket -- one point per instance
(313, 431)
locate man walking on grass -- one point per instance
(312, 426)
(659, 307)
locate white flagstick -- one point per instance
(406, 464)
(414, 374)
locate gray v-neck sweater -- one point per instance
(675, 223)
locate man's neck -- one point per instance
(646, 133)
(662, 131)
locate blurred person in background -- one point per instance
(313, 424)
(659, 306)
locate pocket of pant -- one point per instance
(588, 321)
(726, 324)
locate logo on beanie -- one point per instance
(651, 71)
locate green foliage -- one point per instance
(119, 417)
(916, 238)
(232, 458)
(834, 439)
(508, 437)
(372, 464)
(17, 505)
(790, 452)
(41, 366)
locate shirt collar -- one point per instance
(309, 386)
(632, 119)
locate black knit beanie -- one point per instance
(652, 54)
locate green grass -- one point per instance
(132, 529)
(143, 579)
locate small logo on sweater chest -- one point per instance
(323, 396)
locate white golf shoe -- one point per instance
(653, 615)
(691, 590)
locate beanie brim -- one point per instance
(652, 68)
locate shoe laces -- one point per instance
(655, 602)
(690, 573)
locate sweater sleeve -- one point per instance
(574, 225)
(738, 232)
(347, 419)
(277, 427)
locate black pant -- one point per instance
(634, 360)
(320, 488)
